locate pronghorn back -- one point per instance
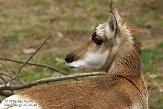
(113, 48)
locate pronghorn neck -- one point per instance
(127, 56)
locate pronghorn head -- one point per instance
(99, 51)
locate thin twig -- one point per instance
(34, 53)
(2, 78)
(5, 66)
(34, 64)
(16, 77)
(47, 80)
(6, 75)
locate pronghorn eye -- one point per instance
(98, 42)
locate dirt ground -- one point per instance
(69, 41)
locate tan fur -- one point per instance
(104, 92)
(82, 50)
(121, 88)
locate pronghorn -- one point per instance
(113, 48)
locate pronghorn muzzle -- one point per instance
(70, 58)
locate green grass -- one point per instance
(153, 7)
(139, 20)
(149, 57)
(40, 3)
(144, 13)
(39, 17)
(31, 73)
(160, 46)
(12, 37)
(143, 19)
(156, 100)
(9, 37)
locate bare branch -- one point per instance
(1, 77)
(34, 64)
(6, 67)
(16, 77)
(3, 74)
(34, 53)
(47, 80)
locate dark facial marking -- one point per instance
(93, 35)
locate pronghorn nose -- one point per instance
(69, 58)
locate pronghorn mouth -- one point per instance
(72, 66)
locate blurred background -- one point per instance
(25, 24)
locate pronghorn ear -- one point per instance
(114, 10)
(112, 25)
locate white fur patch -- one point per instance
(103, 30)
(91, 60)
(109, 34)
(114, 50)
(127, 31)
(112, 67)
(19, 102)
(117, 44)
(100, 29)
(136, 106)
